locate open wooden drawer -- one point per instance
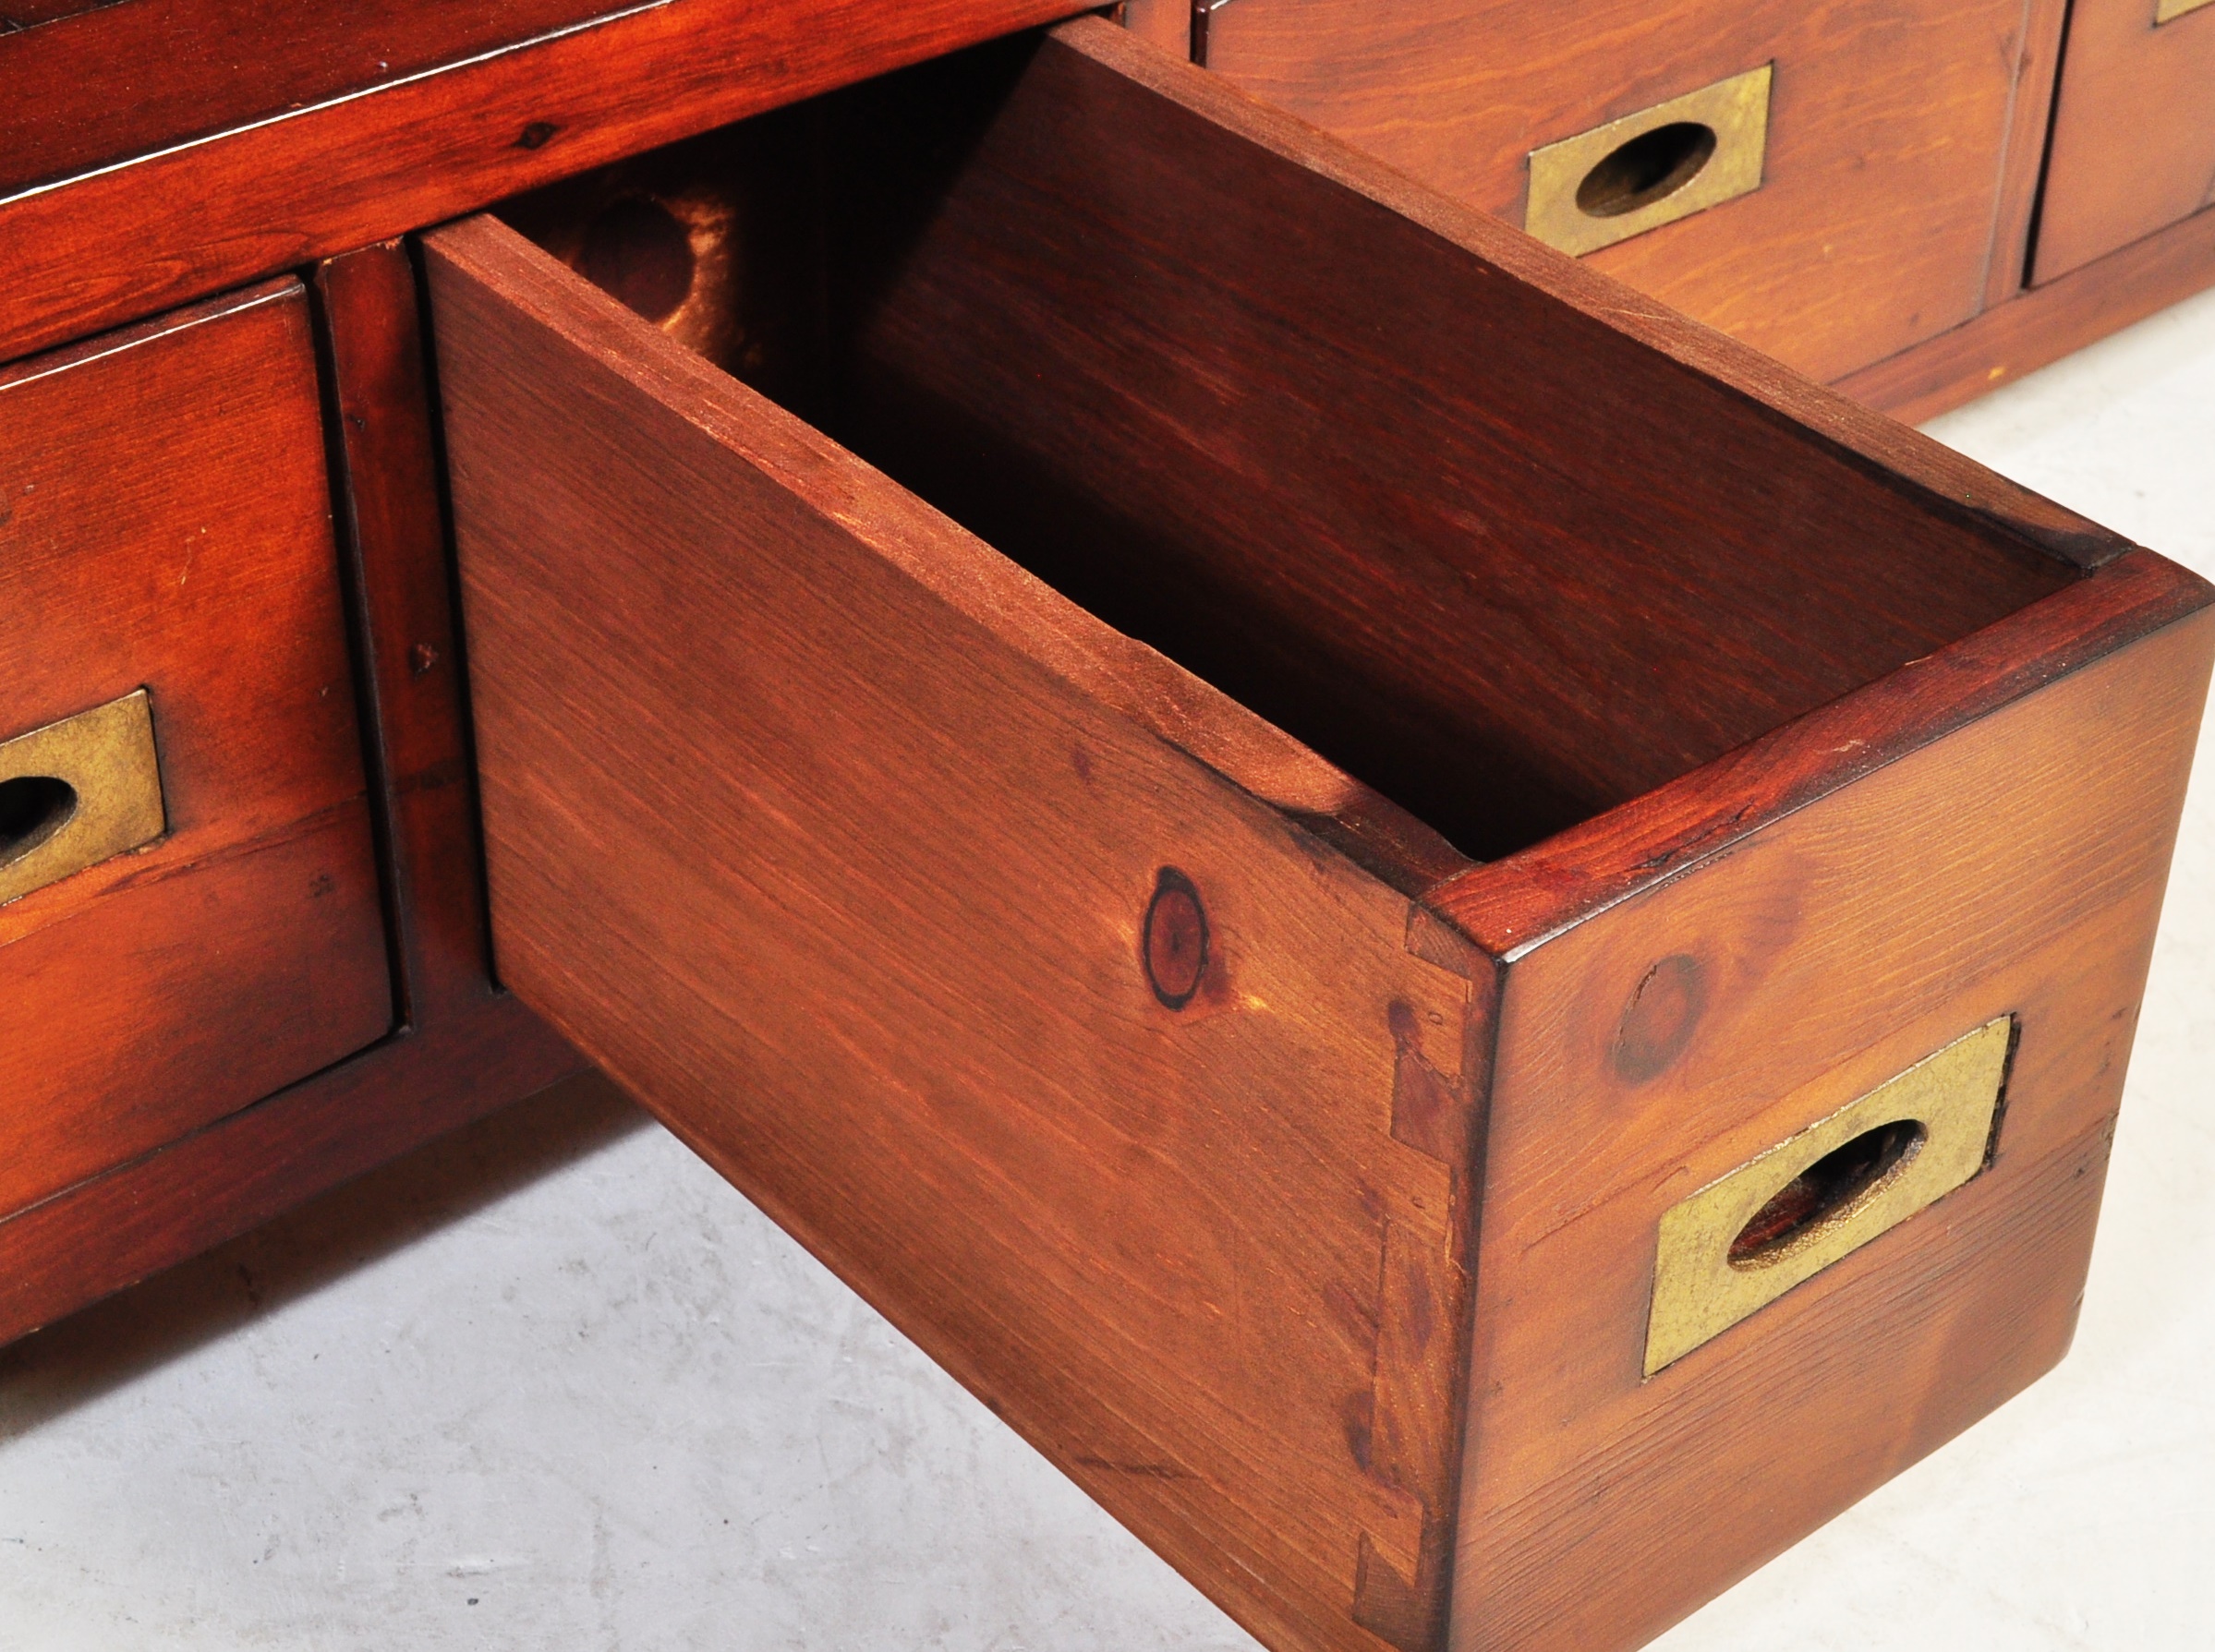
(1298, 1182)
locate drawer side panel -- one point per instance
(801, 820)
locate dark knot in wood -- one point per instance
(1176, 939)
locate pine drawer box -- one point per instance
(1499, 1216)
(189, 912)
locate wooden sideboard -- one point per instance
(1235, 787)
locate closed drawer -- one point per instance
(1024, 828)
(165, 541)
(2134, 129)
(1896, 171)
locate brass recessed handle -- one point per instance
(76, 792)
(1652, 168)
(1745, 1239)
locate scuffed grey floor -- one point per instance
(552, 1384)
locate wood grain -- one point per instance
(1164, 23)
(185, 1196)
(1896, 157)
(30, 14)
(2133, 132)
(383, 156)
(165, 525)
(1205, 1257)
(834, 837)
(2040, 45)
(187, 68)
(2015, 866)
(2042, 324)
(462, 1047)
(1512, 904)
(1340, 482)
(414, 678)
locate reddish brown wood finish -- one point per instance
(1510, 905)
(463, 1047)
(837, 840)
(1902, 144)
(119, 1227)
(2040, 45)
(1263, 1394)
(2015, 866)
(2043, 324)
(194, 68)
(376, 159)
(396, 544)
(2134, 131)
(166, 525)
(1213, 506)
(30, 14)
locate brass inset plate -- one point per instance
(1701, 1290)
(75, 792)
(2168, 12)
(1651, 168)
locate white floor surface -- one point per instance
(552, 1384)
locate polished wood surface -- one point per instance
(1903, 138)
(395, 541)
(2013, 867)
(1095, 355)
(1159, 1074)
(2042, 324)
(1512, 904)
(116, 1228)
(377, 153)
(462, 1046)
(189, 68)
(166, 526)
(817, 824)
(2134, 131)
(1000, 958)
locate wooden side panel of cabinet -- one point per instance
(2133, 131)
(1903, 147)
(166, 525)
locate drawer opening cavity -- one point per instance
(32, 808)
(1828, 1190)
(1315, 452)
(1652, 165)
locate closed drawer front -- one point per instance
(2134, 129)
(1024, 824)
(165, 542)
(1893, 174)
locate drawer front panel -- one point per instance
(2013, 870)
(2134, 129)
(1893, 177)
(166, 529)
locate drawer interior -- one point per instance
(1421, 492)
